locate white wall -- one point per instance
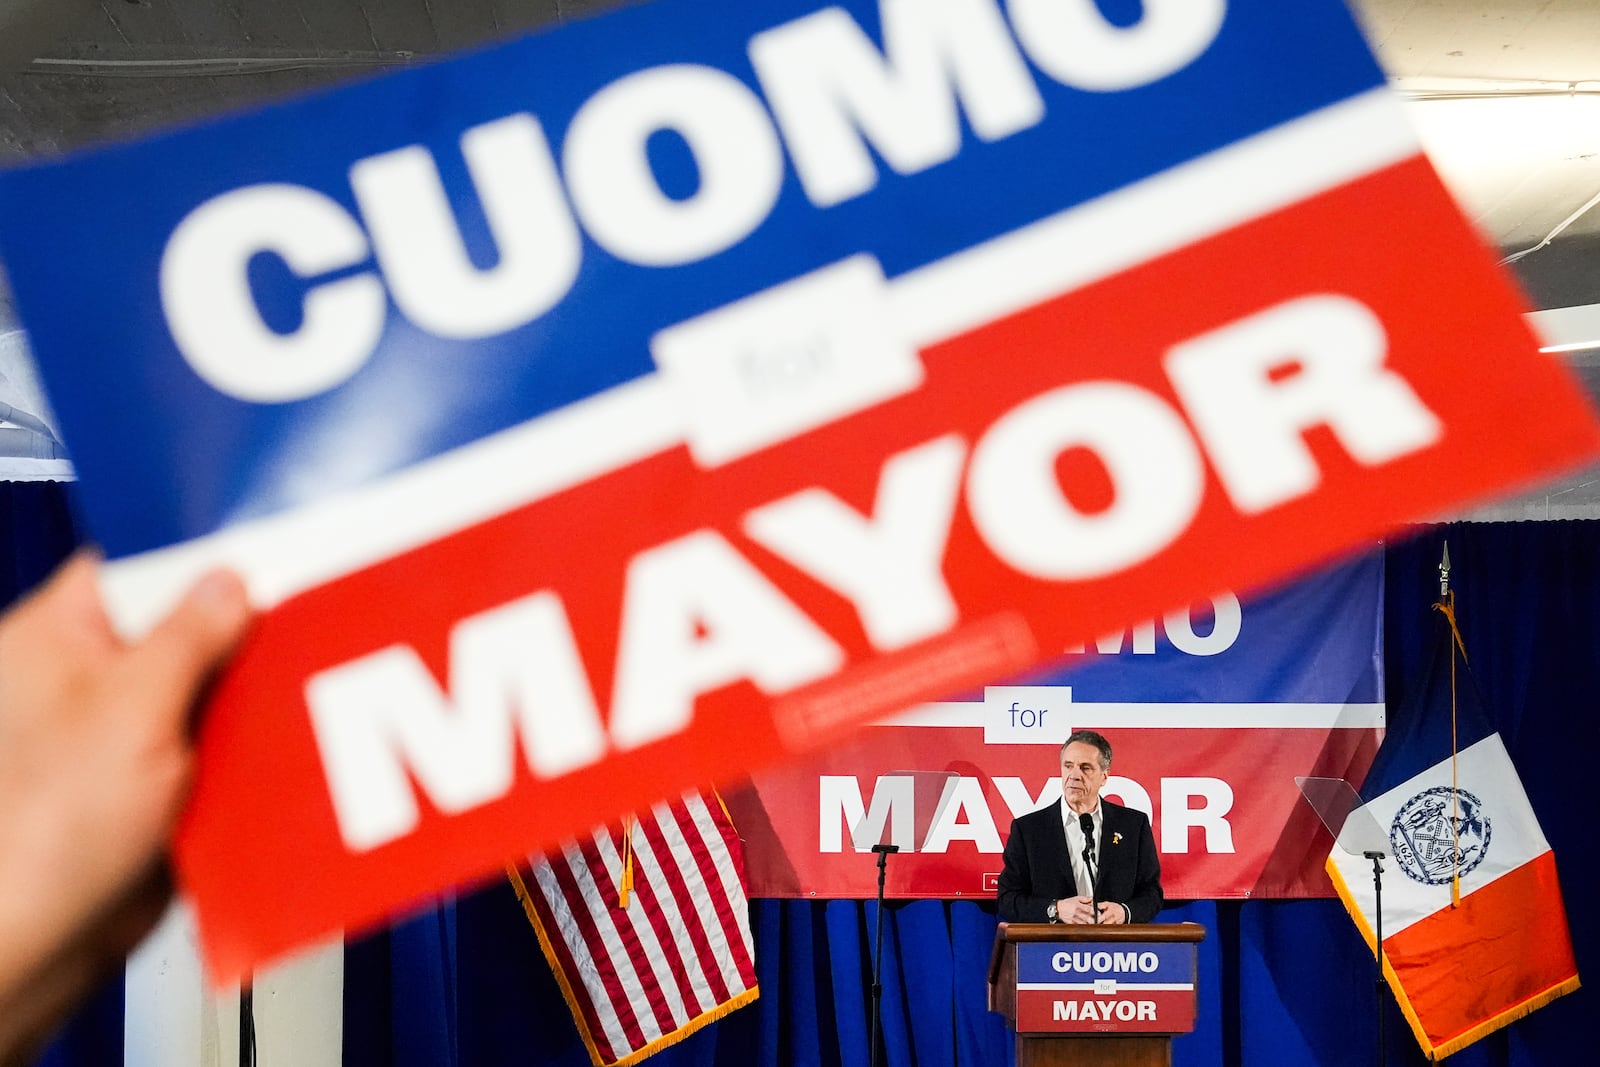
(173, 1020)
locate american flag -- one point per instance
(646, 926)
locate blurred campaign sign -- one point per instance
(652, 399)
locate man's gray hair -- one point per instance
(1095, 738)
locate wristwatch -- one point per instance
(1050, 912)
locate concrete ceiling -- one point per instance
(1507, 91)
(1506, 94)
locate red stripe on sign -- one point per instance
(1130, 1010)
(1505, 945)
(673, 876)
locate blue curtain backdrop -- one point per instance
(463, 984)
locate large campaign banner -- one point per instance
(1212, 712)
(642, 403)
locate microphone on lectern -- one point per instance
(1086, 824)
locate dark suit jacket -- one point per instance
(1038, 870)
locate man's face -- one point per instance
(1081, 776)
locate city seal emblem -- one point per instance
(1433, 835)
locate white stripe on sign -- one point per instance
(942, 714)
(1149, 716)
(284, 554)
(1285, 716)
(1504, 830)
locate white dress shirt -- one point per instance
(1080, 873)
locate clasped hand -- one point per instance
(1081, 910)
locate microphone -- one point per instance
(1086, 824)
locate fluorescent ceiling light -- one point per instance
(1573, 329)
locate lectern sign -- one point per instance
(634, 405)
(1110, 987)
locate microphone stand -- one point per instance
(1086, 824)
(1382, 984)
(247, 1025)
(876, 1038)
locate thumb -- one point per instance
(177, 657)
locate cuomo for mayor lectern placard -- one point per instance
(642, 402)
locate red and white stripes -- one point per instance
(643, 969)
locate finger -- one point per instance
(190, 643)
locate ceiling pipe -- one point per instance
(216, 66)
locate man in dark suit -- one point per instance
(1046, 878)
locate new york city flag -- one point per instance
(1474, 929)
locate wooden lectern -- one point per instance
(1095, 996)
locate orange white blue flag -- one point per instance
(1474, 929)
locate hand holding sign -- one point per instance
(95, 762)
(1088, 320)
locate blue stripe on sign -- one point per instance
(184, 460)
(1039, 963)
(1338, 611)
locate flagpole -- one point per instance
(1382, 985)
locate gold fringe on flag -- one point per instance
(625, 882)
